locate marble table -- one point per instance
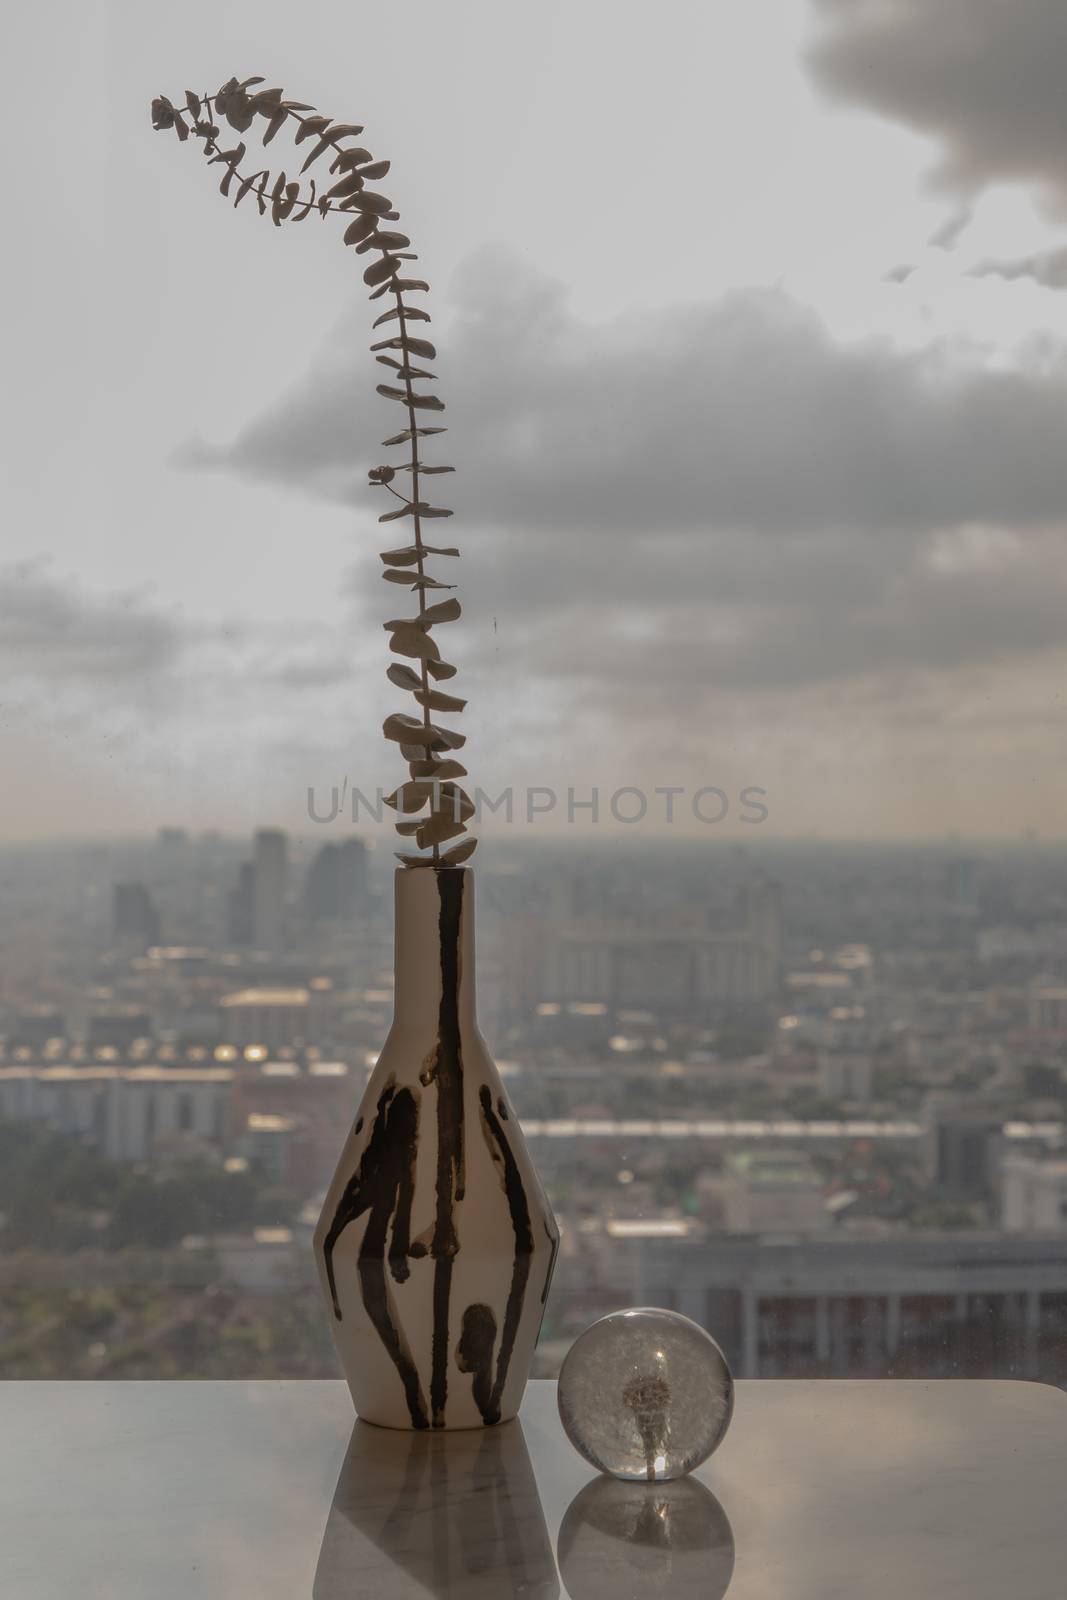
(266, 1491)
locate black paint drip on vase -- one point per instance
(383, 1186)
(447, 1074)
(519, 1208)
(474, 1354)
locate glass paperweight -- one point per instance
(645, 1394)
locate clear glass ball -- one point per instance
(645, 1394)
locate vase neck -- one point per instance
(434, 946)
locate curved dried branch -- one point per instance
(244, 105)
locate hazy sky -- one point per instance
(755, 350)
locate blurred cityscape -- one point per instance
(811, 1095)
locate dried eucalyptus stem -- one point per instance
(432, 803)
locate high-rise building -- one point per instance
(239, 907)
(336, 883)
(135, 922)
(268, 890)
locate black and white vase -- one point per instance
(436, 1243)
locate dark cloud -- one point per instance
(900, 273)
(984, 77)
(719, 496)
(741, 413)
(58, 632)
(1048, 269)
(947, 235)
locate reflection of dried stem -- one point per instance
(648, 1397)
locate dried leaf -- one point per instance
(411, 552)
(378, 271)
(437, 700)
(243, 190)
(438, 828)
(438, 769)
(391, 394)
(347, 159)
(440, 669)
(347, 186)
(239, 113)
(409, 730)
(311, 125)
(377, 169)
(322, 146)
(403, 677)
(298, 216)
(409, 313)
(419, 508)
(276, 124)
(411, 796)
(414, 643)
(281, 200)
(414, 861)
(405, 622)
(426, 582)
(393, 575)
(406, 829)
(428, 402)
(412, 433)
(453, 801)
(391, 241)
(406, 285)
(362, 228)
(368, 201)
(192, 102)
(459, 852)
(345, 130)
(407, 372)
(402, 341)
(422, 469)
(444, 611)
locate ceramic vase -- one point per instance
(436, 1243)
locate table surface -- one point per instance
(822, 1490)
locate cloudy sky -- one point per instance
(754, 342)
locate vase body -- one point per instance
(436, 1243)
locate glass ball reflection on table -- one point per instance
(645, 1394)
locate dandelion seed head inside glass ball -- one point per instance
(645, 1394)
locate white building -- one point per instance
(1033, 1194)
(125, 1111)
(1047, 1008)
(269, 1017)
(771, 1191)
(845, 1075)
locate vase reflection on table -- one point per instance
(436, 1242)
(458, 1516)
